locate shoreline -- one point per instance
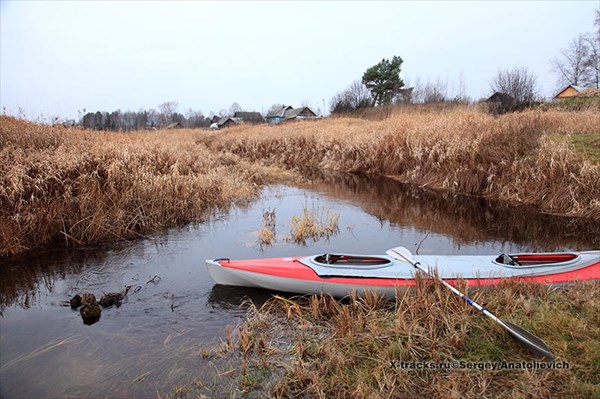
(76, 188)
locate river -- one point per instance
(154, 341)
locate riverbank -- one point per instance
(427, 343)
(73, 187)
(544, 159)
(76, 188)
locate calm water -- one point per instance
(153, 341)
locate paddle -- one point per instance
(533, 343)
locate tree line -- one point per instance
(143, 119)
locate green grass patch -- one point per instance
(588, 145)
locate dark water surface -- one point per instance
(153, 341)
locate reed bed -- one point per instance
(513, 158)
(76, 188)
(317, 346)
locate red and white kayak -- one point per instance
(341, 274)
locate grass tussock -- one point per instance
(313, 224)
(267, 234)
(511, 158)
(320, 347)
(77, 187)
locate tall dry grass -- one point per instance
(317, 346)
(511, 158)
(76, 187)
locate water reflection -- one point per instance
(463, 219)
(225, 298)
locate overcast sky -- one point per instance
(60, 57)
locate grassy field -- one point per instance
(319, 347)
(78, 188)
(514, 158)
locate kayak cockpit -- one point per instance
(536, 260)
(351, 260)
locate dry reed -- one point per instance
(511, 158)
(267, 234)
(317, 346)
(314, 223)
(81, 187)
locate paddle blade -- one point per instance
(533, 343)
(400, 253)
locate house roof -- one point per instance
(293, 113)
(279, 112)
(226, 119)
(499, 97)
(174, 125)
(577, 88)
(248, 116)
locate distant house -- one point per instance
(249, 117)
(227, 121)
(299, 113)
(501, 103)
(175, 125)
(569, 91)
(287, 113)
(499, 97)
(215, 119)
(278, 115)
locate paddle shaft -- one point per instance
(532, 342)
(457, 292)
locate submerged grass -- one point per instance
(76, 188)
(267, 234)
(317, 346)
(314, 223)
(510, 158)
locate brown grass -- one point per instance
(78, 187)
(320, 347)
(314, 223)
(509, 158)
(267, 234)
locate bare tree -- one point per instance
(167, 109)
(194, 119)
(235, 107)
(518, 83)
(435, 92)
(274, 108)
(356, 96)
(592, 62)
(572, 65)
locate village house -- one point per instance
(175, 125)
(253, 118)
(288, 113)
(569, 91)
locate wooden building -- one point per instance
(569, 91)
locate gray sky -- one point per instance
(60, 57)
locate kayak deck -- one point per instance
(338, 274)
